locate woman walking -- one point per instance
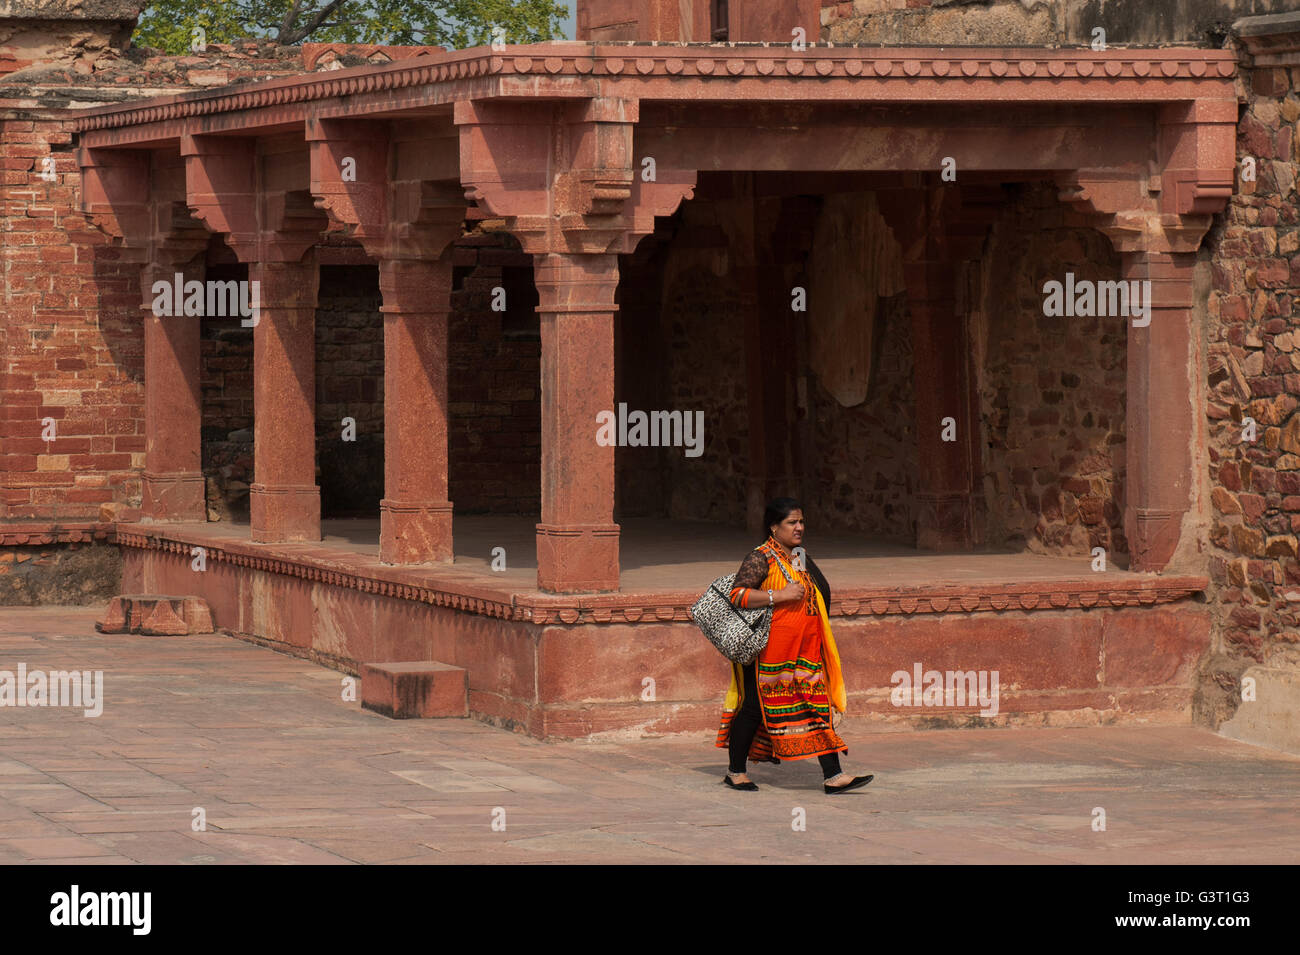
(779, 706)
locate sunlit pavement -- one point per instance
(285, 771)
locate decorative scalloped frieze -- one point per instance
(947, 67)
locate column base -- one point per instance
(414, 533)
(173, 497)
(576, 558)
(280, 513)
(943, 522)
(1152, 536)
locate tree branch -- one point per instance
(313, 23)
(290, 16)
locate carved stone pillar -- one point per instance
(172, 486)
(415, 520)
(577, 539)
(399, 203)
(935, 236)
(941, 382)
(571, 197)
(284, 501)
(1161, 429)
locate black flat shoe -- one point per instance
(747, 787)
(858, 782)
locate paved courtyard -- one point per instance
(285, 771)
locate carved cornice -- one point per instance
(1163, 70)
(545, 609)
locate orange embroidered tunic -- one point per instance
(799, 678)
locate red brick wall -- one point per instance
(71, 347)
(72, 351)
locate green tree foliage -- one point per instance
(170, 25)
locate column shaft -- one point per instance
(1160, 428)
(577, 539)
(284, 500)
(172, 488)
(415, 515)
(940, 353)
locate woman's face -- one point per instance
(789, 533)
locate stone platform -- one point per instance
(1069, 646)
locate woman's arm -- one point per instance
(745, 590)
(752, 573)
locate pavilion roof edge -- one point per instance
(696, 61)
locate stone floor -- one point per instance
(655, 555)
(287, 772)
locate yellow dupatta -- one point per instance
(775, 580)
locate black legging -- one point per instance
(744, 726)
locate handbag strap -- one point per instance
(780, 563)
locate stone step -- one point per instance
(424, 689)
(156, 615)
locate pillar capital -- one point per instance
(400, 198)
(570, 282)
(273, 223)
(1133, 212)
(564, 175)
(137, 199)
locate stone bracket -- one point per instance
(395, 197)
(227, 189)
(129, 195)
(565, 178)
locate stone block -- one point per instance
(1272, 718)
(155, 615)
(424, 689)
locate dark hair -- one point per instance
(777, 510)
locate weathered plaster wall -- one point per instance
(59, 574)
(1036, 22)
(864, 469)
(73, 32)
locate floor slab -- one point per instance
(286, 772)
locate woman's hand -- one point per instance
(792, 591)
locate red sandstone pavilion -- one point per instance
(651, 200)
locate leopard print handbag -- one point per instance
(739, 634)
